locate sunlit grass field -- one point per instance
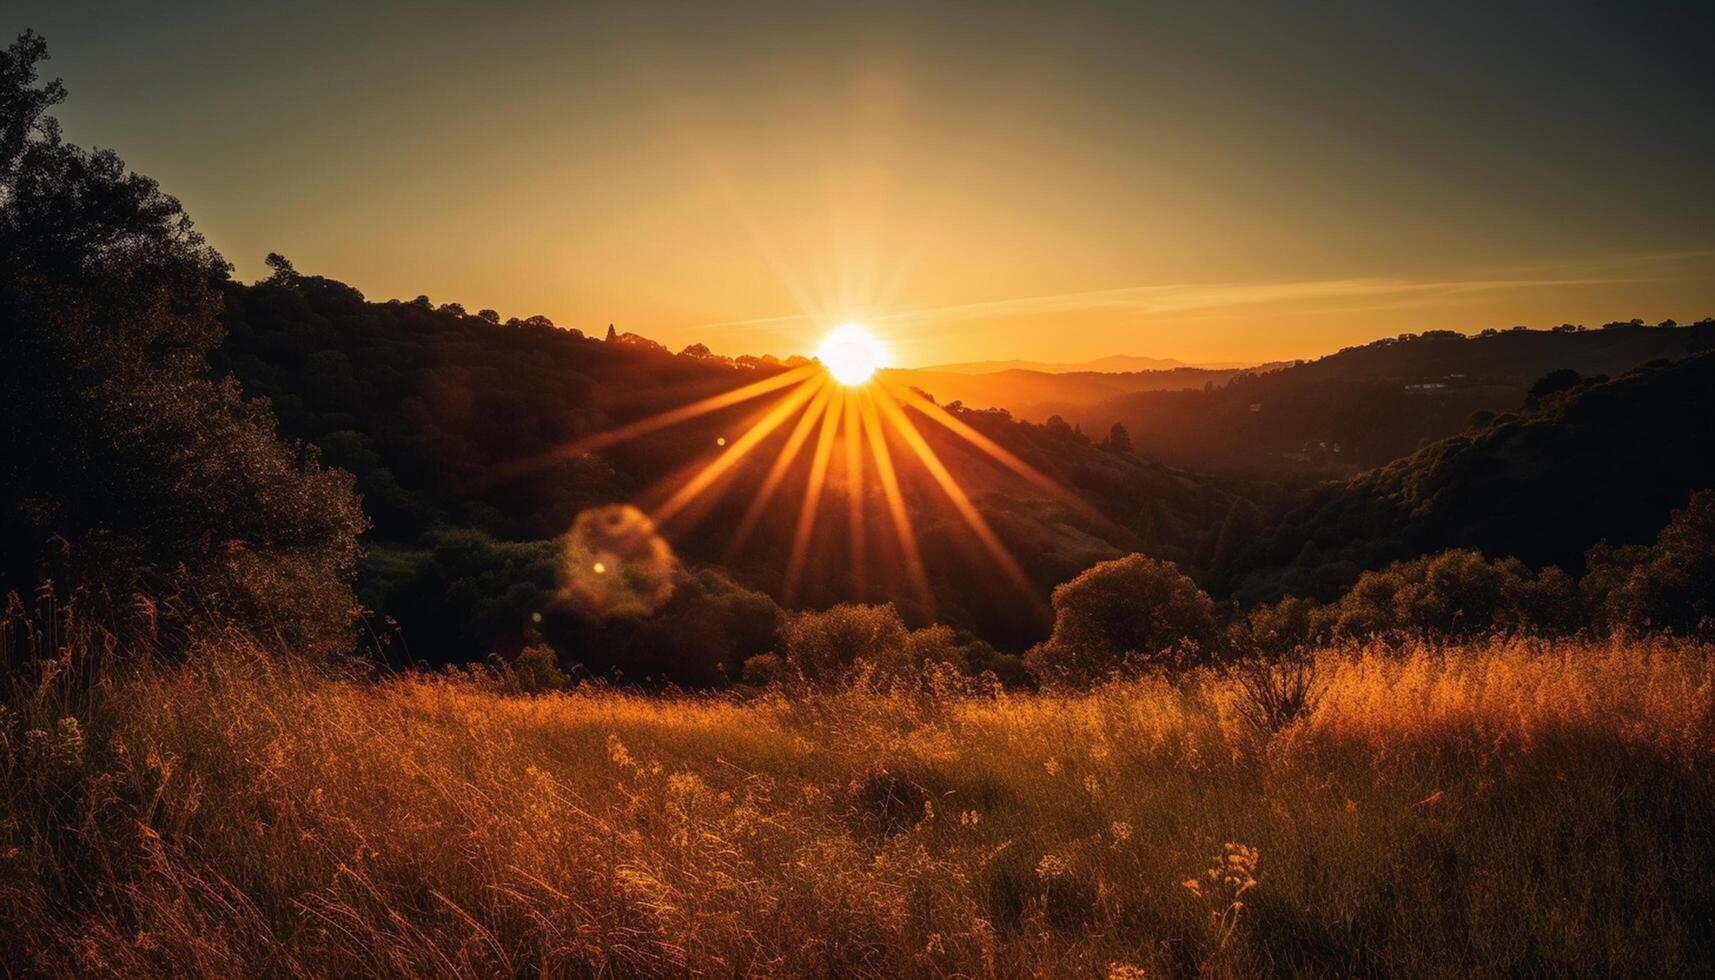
(1516, 808)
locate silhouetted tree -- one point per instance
(1119, 440)
(123, 467)
(1131, 608)
(283, 272)
(1238, 531)
(1564, 379)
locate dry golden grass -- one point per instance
(1517, 808)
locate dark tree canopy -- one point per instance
(1131, 608)
(1565, 379)
(1668, 584)
(124, 467)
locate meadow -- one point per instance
(1508, 807)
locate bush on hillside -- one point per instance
(1456, 593)
(1277, 628)
(1134, 608)
(1666, 585)
(846, 642)
(827, 646)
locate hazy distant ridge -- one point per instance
(1113, 363)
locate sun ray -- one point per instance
(654, 423)
(812, 496)
(854, 495)
(993, 449)
(902, 529)
(799, 435)
(806, 298)
(961, 501)
(735, 451)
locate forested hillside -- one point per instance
(1590, 460)
(1367, 405)
(450, 422)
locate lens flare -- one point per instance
(615, 564)
(827, 414)
(851, 354)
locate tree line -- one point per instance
(290, 456)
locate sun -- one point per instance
(851, 354)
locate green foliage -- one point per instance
(1238, 533)
(827, 646)
(1607, 461)
(136, 473)
(836, 645)
(1276, 628)
(466, 592)
(1667, 585)
(700, 637)
(1134, 608)
(447, 421)
(536, 669)
(1456, 593)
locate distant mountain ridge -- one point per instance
(1111, 364)
(1365, 405)
(1036, 395)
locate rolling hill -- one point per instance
(1038, 395)
(425, 404)
(1111, 364)
(1600, 460)
(1366, 405)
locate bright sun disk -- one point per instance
(851, 354)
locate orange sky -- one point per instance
(975, 182)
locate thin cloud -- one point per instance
(1184, 298)
(1275, 299)
(1198, 298)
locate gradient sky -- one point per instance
(977, 181)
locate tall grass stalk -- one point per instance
(1508, 808)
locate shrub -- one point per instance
(763, 670)
(1278, 628)
(1131, 608)
(537, 669)
(1552, 383)
(1670, 584)
(1456, 593)
(1274, 694)
(699, 638)
(827, 646)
